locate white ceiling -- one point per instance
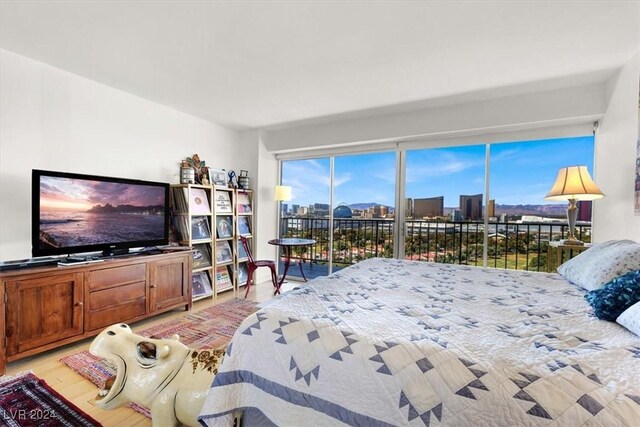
(255, 64)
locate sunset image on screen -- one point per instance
(80, 212)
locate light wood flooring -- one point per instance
(82, 392)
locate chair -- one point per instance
(252, 265)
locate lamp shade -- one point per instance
(574, 182)
(283, 193)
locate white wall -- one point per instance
(615, 166)
(264, 171)
(51, 119)
(525, 111)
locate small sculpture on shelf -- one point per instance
(200, 170)
(233, 182)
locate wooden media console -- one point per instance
(47, 307)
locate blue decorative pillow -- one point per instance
(616, 296)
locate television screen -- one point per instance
(75, 213)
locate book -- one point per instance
(200, 285)
(179, 202)
(223, 252)
(244, 203)
(201, 256)
(243, 274)
(223, 226)
(181, 224)
(223, 202)
(242, 254)
(199, 202)
(243, 226)
(223, 280)
(200, 228)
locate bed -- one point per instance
(393, 342)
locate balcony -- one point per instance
(510, 245)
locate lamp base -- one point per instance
(571, 242)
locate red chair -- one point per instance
(252, 265)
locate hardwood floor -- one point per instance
(82, 392)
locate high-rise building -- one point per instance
(294, 209)
(319, 210)
(456, 215)
(429, 207)
(471, 206)
(379, 211)
(492, 208)
(285, 208)
(584, 210)
(409, 208)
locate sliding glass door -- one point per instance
(444, 204)
(364, 208)
(522, 223)
(306, 215)
(353, 223)
(480, 205)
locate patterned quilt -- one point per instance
(391, 342)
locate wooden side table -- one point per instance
(559, 248)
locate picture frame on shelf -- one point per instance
(244, 203)
(218, 177)
(200, 228)
(242, 254)
(199, 202)
(201, 256)
(223, 252)
(223, 227)
(243, 273)
(223, 279)
(200, 285)
(244, 228)
(223, 202)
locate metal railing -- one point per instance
(510, 245)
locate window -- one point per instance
(347, 204)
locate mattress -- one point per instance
(394, 342)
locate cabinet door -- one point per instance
(170, 282)
(43, 310)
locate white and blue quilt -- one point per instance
(391, 342)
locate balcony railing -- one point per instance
(510, 245)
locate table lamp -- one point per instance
(573, 183)
(283, 193)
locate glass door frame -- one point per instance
(401, 147)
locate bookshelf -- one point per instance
(192, 217)
(211, 220)
(244, 227)
(224, 237)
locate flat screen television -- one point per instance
(74, 213)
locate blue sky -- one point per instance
(521, 173)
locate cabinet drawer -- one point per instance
(120, 314)
(110, 277)
(112, 297)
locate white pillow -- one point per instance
(602, 263)
(630, 318)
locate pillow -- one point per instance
(630, 318)
(616, 296)
(602, 263)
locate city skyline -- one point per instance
(521, 173)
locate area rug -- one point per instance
(212, 327)
(26, 400)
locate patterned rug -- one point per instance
(212, 327)
(26, 400)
